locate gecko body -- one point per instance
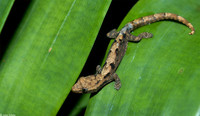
(93, 83)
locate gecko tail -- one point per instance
(158, 17)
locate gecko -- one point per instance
(106, 74)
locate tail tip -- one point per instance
(191, 33)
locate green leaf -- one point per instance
(47, 53)
(159, 76)
(5, 6)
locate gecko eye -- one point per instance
(84, 90)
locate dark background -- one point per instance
(116, 13)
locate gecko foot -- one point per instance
(112, 34)
(117, 81)
(146, 35)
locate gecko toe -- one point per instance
(118, 85)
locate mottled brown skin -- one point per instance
(93, 83)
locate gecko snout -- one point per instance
(77, 88)
(84, 84)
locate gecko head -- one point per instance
(85, 84)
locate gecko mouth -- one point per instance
(77, 88)
(84, 84)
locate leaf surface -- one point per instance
(47, 54)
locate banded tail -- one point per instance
(158, 17)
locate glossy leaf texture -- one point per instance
(5, 6)
(160, 75)
(47, 53)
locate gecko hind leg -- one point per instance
(98, 69)
(139, 37)
(117, 81)
(112, 34)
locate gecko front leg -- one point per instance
(112, 34)
(139, 37)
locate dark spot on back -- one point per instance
(97, 82)
(107, 75)
(104, 64)
(112, 65)
(117, 51)
(121, 42)
(124, 35)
